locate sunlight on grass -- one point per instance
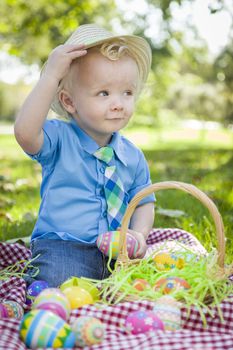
(149, 138)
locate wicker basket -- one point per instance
(123, 259)
(115, 288)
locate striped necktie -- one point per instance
(113, 189)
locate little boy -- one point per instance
(89, 171)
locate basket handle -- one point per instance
(191, 189)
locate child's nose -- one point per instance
(116, 104)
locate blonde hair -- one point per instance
(113, 50)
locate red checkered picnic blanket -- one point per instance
(193, 336)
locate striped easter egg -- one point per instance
(54, 300)
(108, 244)
(168, 309)
(14, 309)
(44, 329)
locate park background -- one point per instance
(183, 120)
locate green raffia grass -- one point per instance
(209, 285)
(18, 269)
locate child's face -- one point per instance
(103, 94)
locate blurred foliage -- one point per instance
(183, 80)
(31, 29)
(224, 71)
(11, 98)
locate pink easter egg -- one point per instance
(52, 299)
(142, 322)
(13, 308)
(3, 311)
(108, 244)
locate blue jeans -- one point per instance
(59, 260)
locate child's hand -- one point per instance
(60, 59)
(142, 243)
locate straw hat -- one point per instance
(92, 35)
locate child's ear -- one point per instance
(67, 101)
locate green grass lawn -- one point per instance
(204, 159)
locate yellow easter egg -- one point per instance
(78, 296)
(168, 261)
(79, 282)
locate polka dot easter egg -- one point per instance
(168, 310)
(168, 261)
(142, 322)
(171, 284)
(88, 331)
(108, 244)
(34, 289)
(54, 300)
(44, 329)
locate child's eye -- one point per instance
(103, 93)
(128, 93)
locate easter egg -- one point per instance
(3, 311)
(77, 296)
(13, 308)
(88, 331)
(140, 284)
(44, 329)
(34, 289)
(170, 284)
(54, 300)
(142, 321)
(79, 282)
(168, 310)
(168, 261)
(108, 244)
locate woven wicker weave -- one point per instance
(123, 259)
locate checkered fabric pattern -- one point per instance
(193, 336)
(113, 189)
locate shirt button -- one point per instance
(105, 214)
(102, 169)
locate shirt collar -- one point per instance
(118, 147)
(90, 146)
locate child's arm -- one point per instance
(141, 224)
(31, 117)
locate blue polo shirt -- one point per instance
(73, 205)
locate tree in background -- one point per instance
(223, 68)
(31, 29)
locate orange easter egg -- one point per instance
(140, 284)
